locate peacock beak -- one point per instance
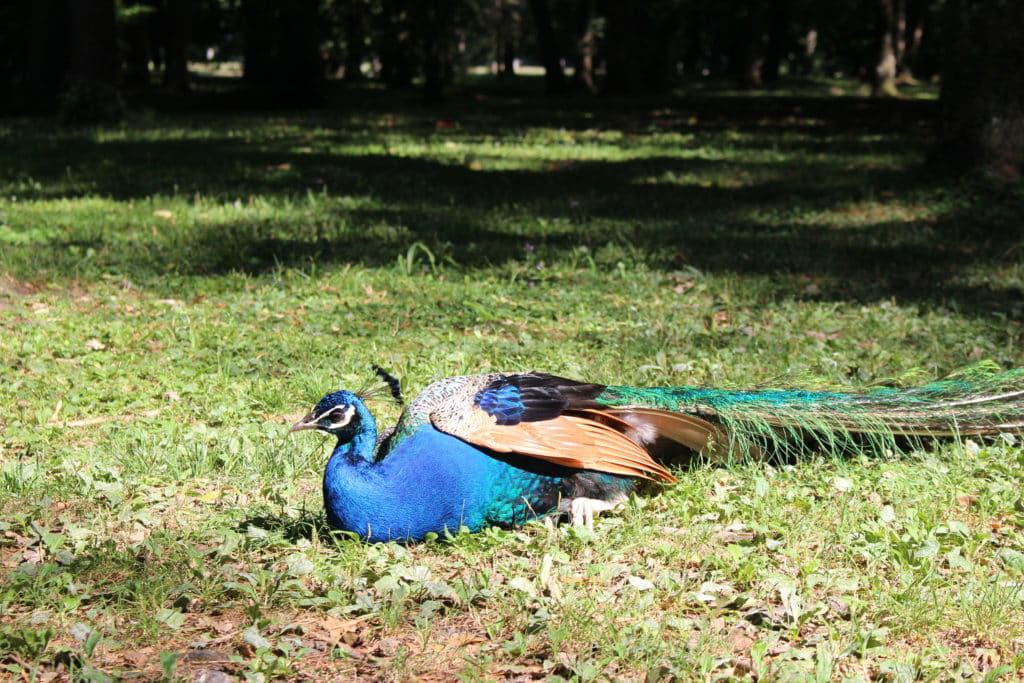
(308, 422)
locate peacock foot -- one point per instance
(583, 510)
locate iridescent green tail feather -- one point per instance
(977, 401)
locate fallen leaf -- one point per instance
(842, 484)
(32, 555)
(92, 421)
(734, 533)
(683, 287)
(224, 626)
(389, 646)
(253, 637)
(95, 345)
(639, 583)
(139, 658)
(341, 631)
(965, 499)
(741, 641)
(463, 639)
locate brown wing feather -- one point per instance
(693, 432)
(570, 441)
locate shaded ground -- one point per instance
(765, 185)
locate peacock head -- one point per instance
(340, 414)
(344, 415)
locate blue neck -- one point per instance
(350, 464)
(360, 448)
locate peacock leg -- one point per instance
(583, 510)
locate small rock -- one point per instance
(389, 647)
(842, 484)
(839, 608)
(204, 655)
(213, 676)
(80, 632)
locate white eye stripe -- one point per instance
(345, 418)
(335, 409)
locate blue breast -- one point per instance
(433, 482)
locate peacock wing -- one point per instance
(548, 418)
(695, 433)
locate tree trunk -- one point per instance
(505, 54)
(508, 57)
(982, 96)
(554, 78)
(396, 44)
(435, 39)
(353, 43)
(809, 51)
(47, 54)
(136, 39)
(748, 50)
(778, 40)
(91, 95)
(301, 74)
(913, 34)
(8, 24)
(260, 47)
(694, 52)
(884, 81)
(282, 49)
(638, 43)
(93, 41)
(586, 46)
(175, 19)
(899, 34)
(621, 26)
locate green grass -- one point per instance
(173, 292)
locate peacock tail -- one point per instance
(981, 400)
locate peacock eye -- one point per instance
(339, 416)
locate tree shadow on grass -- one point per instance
(875, 262)
(227, 168)
(724, 214)
(306, 525)
(746, 229)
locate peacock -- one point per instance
(499, 449)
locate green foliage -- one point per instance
(25, 643)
